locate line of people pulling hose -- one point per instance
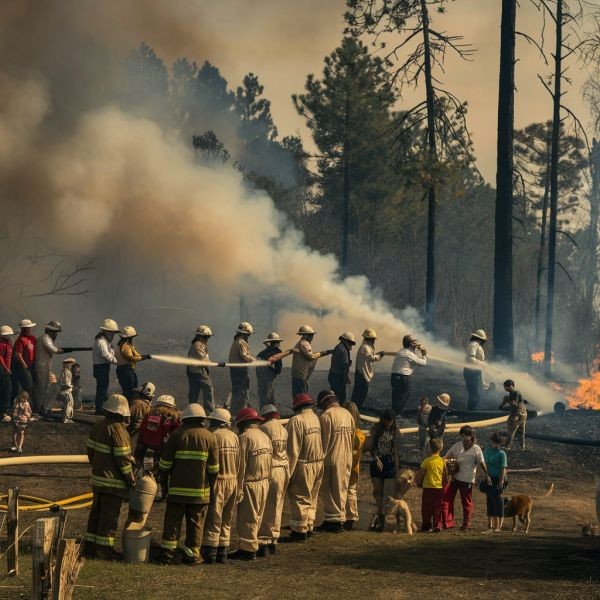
(206, 470)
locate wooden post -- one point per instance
(12, 554)
(60, 530)
(43, 538)
(66, 570)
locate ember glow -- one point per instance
(587, 395)
(537, 358)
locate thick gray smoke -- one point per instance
(92, 175)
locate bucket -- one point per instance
(141, 497)
(136, 545)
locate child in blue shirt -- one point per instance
(496, 462)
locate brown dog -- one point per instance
(519, 506)
(398, 517)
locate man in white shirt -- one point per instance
(103, 355)
(469, 457)
(365, 357)
(402, 370)
(475, 360)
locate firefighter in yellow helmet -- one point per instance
(240, 353)
(365, 357)
(305, 360)
(189, 465)
(199, 376)
(109, 453)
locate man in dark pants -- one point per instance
(476, 360)
(199, 376)
(365, 357)
(304, 360)
(402, 370)
(103, 355)
(240, 380)
(339, 372)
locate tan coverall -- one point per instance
(337, 433)
(304, 362)
(253, 485)
(305, 456)
(240, 381)
(271, 524)
(217, 529)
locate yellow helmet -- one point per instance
(128, 331)
(204, 331)
(117, 404)
(348, 336)
(109, 325)
(479, 333)
(245, 328)
(369, 334)
(305, 330)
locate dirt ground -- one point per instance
(552, 561)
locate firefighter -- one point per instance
(357, 450)
(339, 372)
(140, 406)
(475, 360)
(268, 534)
(266, 376)
(217, 529)
(402, 369)
(188, 465)
(305, 456)
(305, 360)
(253, 482)
(365, 357)
(199, 377)
(46, 348)
(103, 355)
(127, 358)
(337, 434)
(240, 353)
(109, 453)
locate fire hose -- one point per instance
(564, 440)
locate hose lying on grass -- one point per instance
(564, 440)
(33, 503)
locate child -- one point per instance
(21, 416)
(495, 459)
(423, 413)
(65, 397)
(518, 413)
(432, 476)
(437, 417)
(76, 381)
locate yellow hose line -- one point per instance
(43, 503)
(49, 459)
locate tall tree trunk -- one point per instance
(540, 260)
(346, 190)
(503, 251)
(432, 159)
(553, 190)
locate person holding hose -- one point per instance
(198, 376)
(103, 355)
(127, 358)
(475, 360)
(266, 376)
(412, 354)
(46, 348)
(365, 357)
(305, 360)
(240, 353)
(339, 372)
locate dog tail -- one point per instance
(547, 493)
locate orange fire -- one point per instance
(538, 357)
(587, 395)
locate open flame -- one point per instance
(587, 395)
(537, 358)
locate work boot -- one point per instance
(263, 551)
(108, 553)
(273, 549)
(191, 556)
(295, 537)
(349, 525)
(242, 555)
(166, 558)
(222, 552)
(88, 549)
(209, 554)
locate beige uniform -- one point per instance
(256, 453)
(240, 381)
(305, 456)
(304, 361)
(337, 433)
(217, 530)
(271, 524)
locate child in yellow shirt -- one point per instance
(432, 476)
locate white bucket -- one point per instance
(136, 545)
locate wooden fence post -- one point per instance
(12, 554)
(43, 540)
(67, 568)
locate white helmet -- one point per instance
(117, 404)
(128, 331)
(6, 330)
(479, 333)
(110, 326)
(26, 323)
(165, 400)
(348, 336)
(273, 337)
(193, 411)
(245, 328)
(369, 334)
(53, 326)
(305, 330)
(268, 409)
(220, 414)
(204, 331)
(146, 389)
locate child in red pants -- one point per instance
(432, 476)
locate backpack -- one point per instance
(155, 430)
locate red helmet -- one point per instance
(247, 414)
(302, 400)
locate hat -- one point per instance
(193, 411)
(302, 400)
(247, 414)
(69, 361)
(348, 336)
(369, 334)
(325, 395)
(245, 328)
(164, 399)
(305, 330)
(128, 331)
(444, 399)
(204, 331)
(147, 389)
(116, 403)
(269, 409)
(220, 414)
(479, 333)
(6, 330)
(53, 326)
(109, 325)
(273, 337)
(26, 323)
